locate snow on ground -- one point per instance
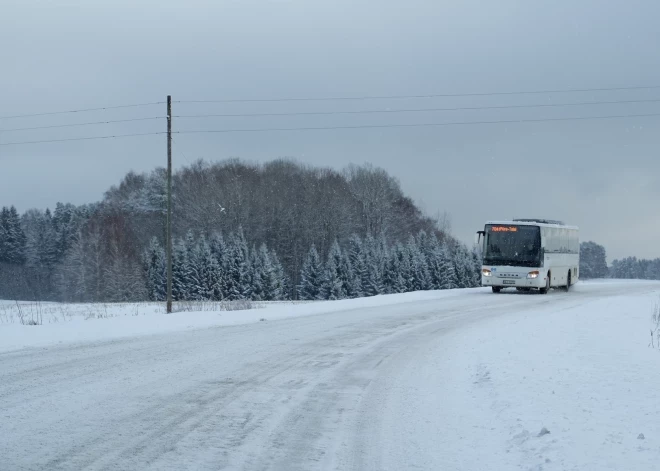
(556, 388)
(65, 323)
(459, 380)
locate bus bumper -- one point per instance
(533, 283)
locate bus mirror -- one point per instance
(477, 237)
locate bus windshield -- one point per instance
(515, 245)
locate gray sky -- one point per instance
(603, 175)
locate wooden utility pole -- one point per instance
(168, 236)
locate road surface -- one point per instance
(317, 392)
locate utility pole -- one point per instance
(168, 236)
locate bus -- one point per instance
(529, 254)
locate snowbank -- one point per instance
(102, 322)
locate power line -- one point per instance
(367, 126)
(91, 138)
(457, 123)
(437, 95)
(84, 110)
(416, 110)
(92, 123)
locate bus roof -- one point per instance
(535, 222)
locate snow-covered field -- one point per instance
(460, 380)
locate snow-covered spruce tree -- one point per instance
(279, 284)
(262, 274)
(258, 274)
(181, 275)
(405, 278)
(350, 282)
(419, 268)
(220, 252)
(447, 271)
(66, 223)
(593, 261)
(375, 254)
(476, 267)
(436, 266)
(207, 273)
(356, 257)
(333, 283)
(311, 277)
(40, 248)
(239, 282)
(12, 237)
(156, 271)
(194, 269)
(4, 224)
(463, 267)
(390, 272)
(423, 241)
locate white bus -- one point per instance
(529, 254)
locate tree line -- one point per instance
(593, 264)
(259, 222)
(219, 268)
(369, 268)
(634, 268)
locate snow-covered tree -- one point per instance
(259, 273)
(311, 277)
(448, 279)
(464, 267)
(279, 285)
(333, 283)
(220, 252)
(12, 237)
(40, 240)
(123, 279)
(420, 279)
(206, 273)
(156, 271)
(66, 225)
(238, 276)
(181, 273)
(477, 263)
(357, 258)
(593, 261)
(405, 279)
(374, 265)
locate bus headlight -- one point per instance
(486, 272)
(533, 274)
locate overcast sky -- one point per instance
(603, 175)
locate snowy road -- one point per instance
(389, 387)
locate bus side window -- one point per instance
(575, 245)
(554, 240)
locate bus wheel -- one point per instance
(568, 281)
(547, 286)
(496, 289)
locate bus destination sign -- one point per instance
(504, 229)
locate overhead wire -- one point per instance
(349, 112)
(413, 125)
(89, 138)
(319, 128)
(83, 110)
(415, 110)
(91, 123)
(435, 95)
